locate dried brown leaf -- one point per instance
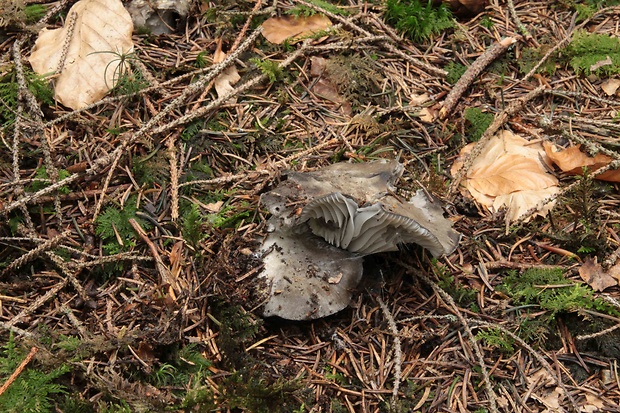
(278, 29)
(594, 274)
(224, 82)
(100, 33)
(510, 172)
(572, 161)
(428, 115)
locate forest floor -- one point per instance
(128, 229)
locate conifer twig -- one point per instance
(398, 358)
(18, 370)
(472, 73)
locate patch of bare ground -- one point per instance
(139, 238)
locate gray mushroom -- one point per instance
(313, 260)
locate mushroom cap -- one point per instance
(363, 182)
(306, 277)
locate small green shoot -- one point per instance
(114, 228)
(9, 89)
(496, 338)
(33, 389)
(42, 180)
(270, 68)
(192, 225)
(455, 71)
(478, 123)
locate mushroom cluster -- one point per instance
(313, 259)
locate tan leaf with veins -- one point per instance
(278, 29)
(97, 33)
(572, 161)
(510, 172)
(224, 82)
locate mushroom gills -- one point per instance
(370, 229)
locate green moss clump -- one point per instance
(33, 389)
(418, 20)
(588, 51)
(553, 292)
(455, 71)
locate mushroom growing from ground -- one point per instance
(313, 260)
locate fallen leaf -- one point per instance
(417, 100)
(593, 404)
(278, 29)
(224, 82)
(519, 203)
(427, 115)
(610, 86)
(572, 161)
(510, 172)
(97, 33)
(594, 274)
(325, 88)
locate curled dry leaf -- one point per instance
(572, 161)
(224, 82)
(325, 88)
(510, 173)
(596, 277)
(610, 86)
(278, 29)
(97, 33)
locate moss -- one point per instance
(478, 122)
(455, 71)
(588, 51)
(418, 20)
(553, 292)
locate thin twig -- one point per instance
(398, 361)
(18, 370)
(472, 73)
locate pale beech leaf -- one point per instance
(509, 173)
(97, 33)
(224, 82)
(278, 29)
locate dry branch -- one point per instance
(472, 73)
